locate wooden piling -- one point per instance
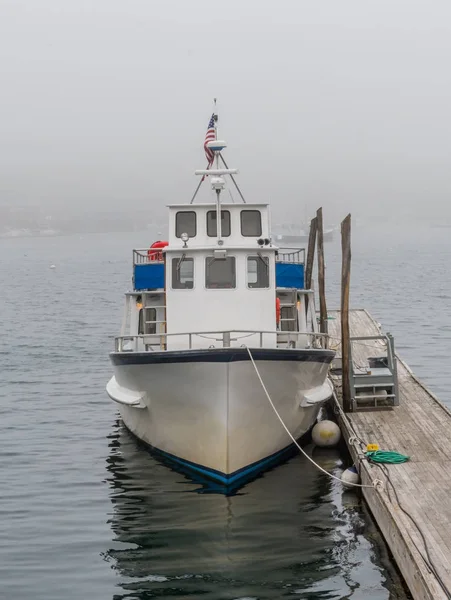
(321, 277)
(311, 253)
(345, 286)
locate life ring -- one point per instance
(153, 253)
(277, 311)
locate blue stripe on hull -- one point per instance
(222, 355)
(224, 483)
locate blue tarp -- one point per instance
(290, 275)
(148, 276)
(151, 276)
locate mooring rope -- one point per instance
(375, 483)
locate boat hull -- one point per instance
(206, 410)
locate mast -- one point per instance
(217, 180)
(218, 189)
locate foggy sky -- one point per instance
(344, 104)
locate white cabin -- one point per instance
(224, 283)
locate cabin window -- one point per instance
(147, 321)
(212, 230)
(220, 273)
(258, 272)
(251, 223)
(182, 273)
(185, 222)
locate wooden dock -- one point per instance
(421, 428)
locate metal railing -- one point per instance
(291, 256)
(378, 376)
(288, 339)
(141, 256)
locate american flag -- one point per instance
(210, 136)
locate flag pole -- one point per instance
(218, 191)
(215, 118)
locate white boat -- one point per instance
(13, 233)
(213, 310)
(289, 235)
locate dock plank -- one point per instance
(421, 428)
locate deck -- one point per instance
(421, 428)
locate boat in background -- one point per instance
(218, 311)
(287, 235)
(21, 233)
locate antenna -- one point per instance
(215, 118)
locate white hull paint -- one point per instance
(216, 414)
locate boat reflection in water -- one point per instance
(288, 531)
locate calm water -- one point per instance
(87, 513)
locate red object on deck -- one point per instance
(153, 253)
(277, 311)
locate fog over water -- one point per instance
(342, 104)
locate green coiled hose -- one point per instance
(386, 456)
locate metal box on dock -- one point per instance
(374, 387)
